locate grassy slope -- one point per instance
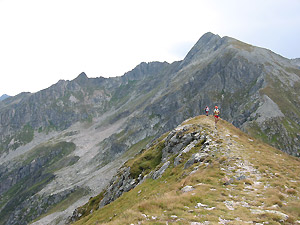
(271, 186)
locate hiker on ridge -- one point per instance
(206, 110)
(217, 115)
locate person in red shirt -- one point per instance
(216, 115)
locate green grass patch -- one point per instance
(22, 137)
(63, 205)
(56, 151)
(47, 159)
(163, 198)
(146, 161)
(22, 191)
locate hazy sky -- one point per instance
(43, 41)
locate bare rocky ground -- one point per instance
(39, 138)
(85, 173)
(241, 168)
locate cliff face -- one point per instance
(110, 119)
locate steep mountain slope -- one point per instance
(197, 174)
(256, 89)
(5, 96)
(63, 144)
(296, 62)
(97, 112)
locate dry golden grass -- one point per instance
(159, 201)
(291, 191)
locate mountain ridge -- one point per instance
(3, 97)
(110, 119)
(223, 163)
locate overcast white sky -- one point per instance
(43, 41)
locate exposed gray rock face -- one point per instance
(36, 206)
(157, 174)
(187, 189)
(123, 184)
(5, 96)
(197, 157)
(206, 45)
(268, 110)
(182, 140)
(296, 62)
(175, 142)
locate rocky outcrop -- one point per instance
(118, 186)
(296, 62)
(27, 178)
(3, 97)
(34, 206)
(178, 143)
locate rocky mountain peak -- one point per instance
(5, 96)
(81, 78)
(208, 43)
(207, 38)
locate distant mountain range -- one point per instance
(66, 142)
(5, 96)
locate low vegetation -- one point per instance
(146, 161)
(33, 174)
(22, 137)
(267, 192)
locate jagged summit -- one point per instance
(196, 174)
(4, 96)
(82, 76)
(205, 44)
(211, 45)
